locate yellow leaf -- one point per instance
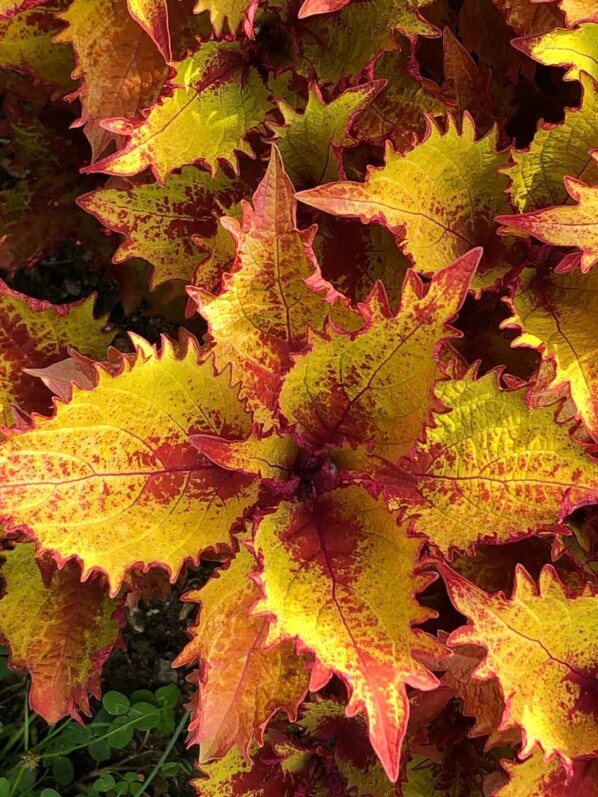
(344, 43)
(507, 469)
(556, 151)
(565, 225)
(574, 49)
(62, 633)
(375, 388)
(202, 116)
(26, 44)
(34, 334)
(310, 142)
(265, 307)
(536, 777)
(541, 645)
(558, 314)
(113, 479)
(172, 226)
(152, 15)
(440, 198)
(234, 12)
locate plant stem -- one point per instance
(99, 739)
(178, 730)
(26, 720)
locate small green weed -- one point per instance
(115, 753)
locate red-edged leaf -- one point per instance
(333, 571)
(241, 683)
(61, 633)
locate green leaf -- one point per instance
(116, 703)
(104, 783)
(100, 751)
(170, 769)
(165, 722)
(120, 737)
(63, 771)
(143, 696)
(4, 787)
(50, 793)
(168, 696)
(145, 715)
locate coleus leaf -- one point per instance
(235, 775)
(454, 178)
(482, 700)
(311, 143)
(557, 313)
(165, 223)
(242, 683)
(578, 11)
(556, 151)
(197, 118)
(375, 388)
(564, 225)
(64, 636)
(362, 774)
(353, 256)
(265, 306)
(59, 377)
(526, 17)
(458, 773)
(8, 8)
(34, 334)
(152, 15)
(509, 469)
(235, 13)
(26, 36)
(465, 84)
(574, 49)
(536, 777)
(340, 606)
(404, 15)
(120, 69)
(38, 212)
(541, 645)
(398, 112)
(330, 48)
(122, 451)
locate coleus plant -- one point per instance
(384, 434)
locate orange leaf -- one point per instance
(335, 572)
(121, 70)
(241, 683)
